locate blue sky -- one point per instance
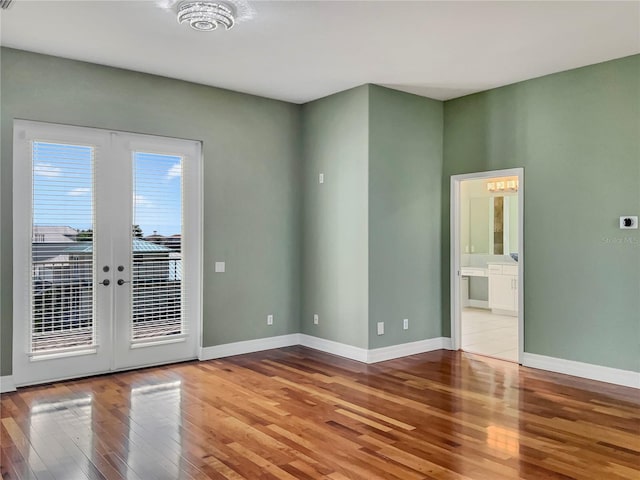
(63, 188)
(157, 193)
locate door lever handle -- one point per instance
(122, 282)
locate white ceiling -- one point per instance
(303, 50)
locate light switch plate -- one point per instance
(628, 222)
(219, 267)
(380, 328)
(321, 178)
(316, 319)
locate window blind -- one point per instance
(62, 261)
(156, 254)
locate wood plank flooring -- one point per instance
(296, 413)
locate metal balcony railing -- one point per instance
(63, 302)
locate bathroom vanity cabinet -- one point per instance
(503, 288)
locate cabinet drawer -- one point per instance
(495, 269)
(510, 269)
(473, 272)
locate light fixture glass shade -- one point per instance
(206, 16)
(503, 184)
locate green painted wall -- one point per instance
(577, 135)
(335, 231)
(405, 172)
(371, 242)
(251, 177)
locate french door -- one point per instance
(107, 251)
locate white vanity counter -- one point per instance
(474, 272)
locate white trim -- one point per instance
(454, 225)
(248, 346)
(143, 344)
(478, 303)
(6, 384)
(40, 357)
(329, 346)
(406, 349)
(616, 376)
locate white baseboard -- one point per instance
(478, 303)
(616, 376)
(248, 346)
(335, 348)
(406, 349)
(447, 343)
(328, 346)
(377, 354)
(6, 384)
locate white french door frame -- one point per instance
(455, 255)
(129, 354)
(105, 356)
(28, 369)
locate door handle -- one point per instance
(106, 282)
(122, 282)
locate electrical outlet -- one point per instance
(405, 324)
(380, 328)
(316, 319)
(628, 222)
(321, 178)
(269, 319)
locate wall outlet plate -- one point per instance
(316, 319)
(628, 222)
(405, 324)
(269, 319)
(380, 328)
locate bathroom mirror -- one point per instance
(490, 225)
(479, 219)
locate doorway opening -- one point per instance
(487, 225)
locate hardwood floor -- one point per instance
(296, 413)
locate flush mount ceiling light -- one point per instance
(207, 16)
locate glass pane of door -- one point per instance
(156, 263)
(62, 295)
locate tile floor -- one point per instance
(489, 334)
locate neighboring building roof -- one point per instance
(139, 246)
(144, 246)
(56, 259)
(154, 238)
(54, 234)
(61, 229)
